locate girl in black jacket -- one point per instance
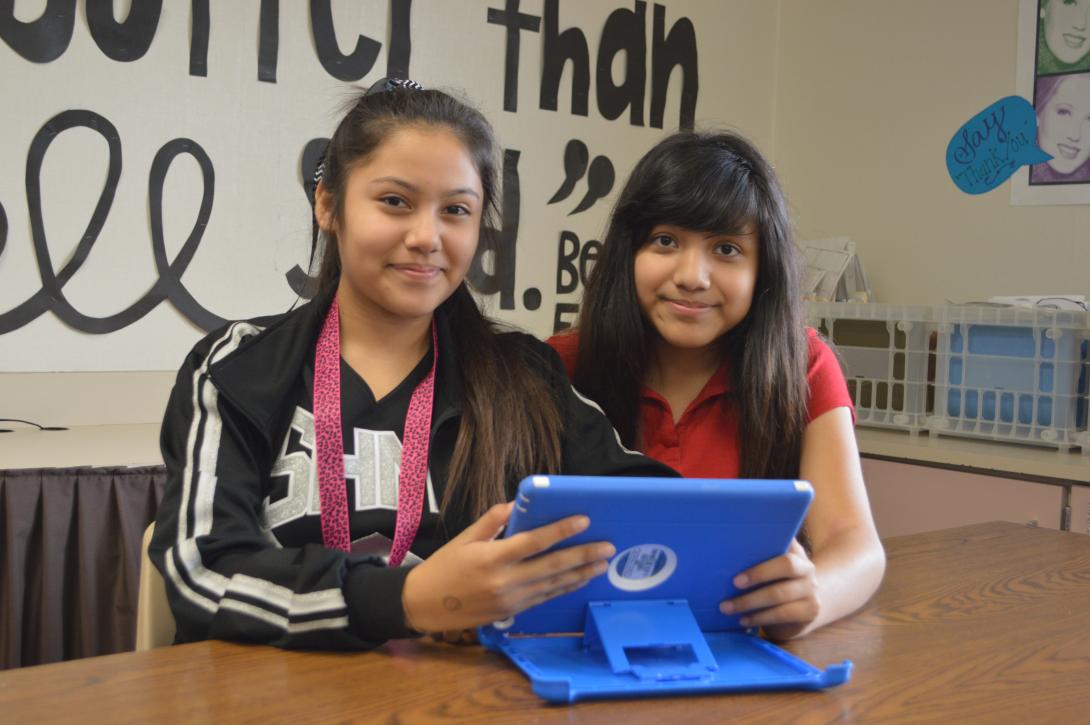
(313, 456)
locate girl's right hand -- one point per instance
(476, 579)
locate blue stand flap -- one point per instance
(835, 674)
(628, 651)
(653, 640)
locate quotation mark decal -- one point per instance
(600, 176)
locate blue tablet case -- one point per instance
(651, 625)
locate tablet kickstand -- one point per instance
(652, 640)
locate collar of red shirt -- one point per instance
(718, 384)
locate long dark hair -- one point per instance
(511, 425)
(709, 182)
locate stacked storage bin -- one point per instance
(1011, 374)
(1083, 436)
(884, 352)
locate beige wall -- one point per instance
(736, 49)
(74, 399)
(869, 94)
(855, 100)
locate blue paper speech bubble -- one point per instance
(993, 145)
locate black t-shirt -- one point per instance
(372, 431)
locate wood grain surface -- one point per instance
(985, 623)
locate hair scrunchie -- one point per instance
(381, 86)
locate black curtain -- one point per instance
(70, 560)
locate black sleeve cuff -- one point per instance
(373, 596)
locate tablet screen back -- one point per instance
(676, 538)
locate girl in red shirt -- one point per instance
(691, 338)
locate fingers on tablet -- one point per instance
(537, 540)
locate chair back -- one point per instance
(154, 620)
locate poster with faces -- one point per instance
(1054, 74)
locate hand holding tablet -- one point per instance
(476, 578)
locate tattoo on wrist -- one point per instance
(452, 604)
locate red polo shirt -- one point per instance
(704, 441)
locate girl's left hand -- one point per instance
(782, 595)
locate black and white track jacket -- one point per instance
(238, 536)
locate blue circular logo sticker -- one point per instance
(642, 567)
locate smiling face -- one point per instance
(1067, 29)
(410, 224)
(694, 287)
(1065, 124)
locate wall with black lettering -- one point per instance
(154, 151)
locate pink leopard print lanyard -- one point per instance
(329, 445)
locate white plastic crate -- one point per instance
(1011, 374)
(883, 350)
(1082, 438)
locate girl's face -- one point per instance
(411, 221)
(1065, 124)
(694, 287)
(1067, 29)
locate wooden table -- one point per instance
(984, 623)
